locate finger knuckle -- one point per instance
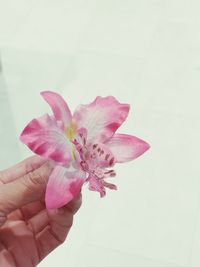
(29, 166)
(33, 178)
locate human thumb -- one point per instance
(27, 189)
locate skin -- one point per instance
(28, 231)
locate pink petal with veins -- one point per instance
(126, 147)
(101, 118)
(44, 137)
(63, 186)
(59, 107)
(100, 155)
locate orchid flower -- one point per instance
(83, 147)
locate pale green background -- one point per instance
(146, 53)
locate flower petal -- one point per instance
(99, 155)
(126, 147)
(63, 186)
(59, 106)
(44, 137)
(101, 118)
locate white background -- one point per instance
(146, 53)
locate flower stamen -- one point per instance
(71, 131)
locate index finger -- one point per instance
(21, 169)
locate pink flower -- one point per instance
(83, 147)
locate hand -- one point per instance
(28, 231)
